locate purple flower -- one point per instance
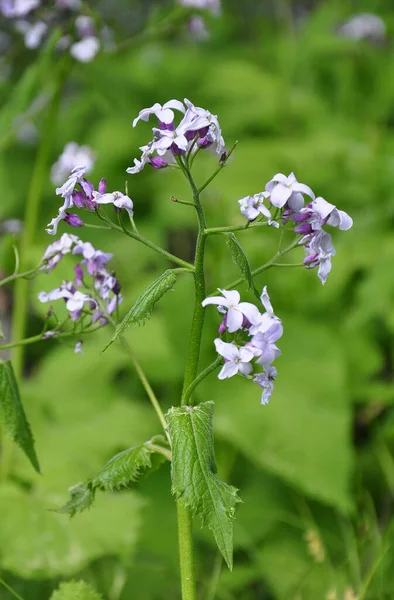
(102, 186)
(323, 213)
(237, 360)
(236, 310)
(18, 8)
(212, 5)
(266, 381)
(287, 191)
(66, 191)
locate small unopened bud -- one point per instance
(78, 274)
(223, 325)
(303, 228)
(102, 186)
(223, 158)
(174, 199)
(157, 162)
(73, 220)
(87, 187)
(79, 199)
(78, 347)
(204, 142)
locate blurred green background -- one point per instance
(315, 468)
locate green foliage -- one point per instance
(145, 303)
(125, 468)
(75, 590)
(1, 331)
(13, 414)
(36, 542)
(241, 260)
(193, 473)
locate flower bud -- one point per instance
(102, 186)
(73, 220)
(157, 162)
(79, 199)
(303, 228)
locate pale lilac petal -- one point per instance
(278, 178)
(250, 311)
(165, 116)
(145, 113)
(265, 300)
(280, 195)
(322, 208)
(339, 218)
(229, 370)
(303, 189)
(232, 296)
(245, 368)
(234, 320)
(228, 351)
(175, 104)
(296, 201)
(219, 300)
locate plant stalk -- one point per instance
(186, 550)
(30, 222)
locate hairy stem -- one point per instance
(30, 222)
(186, 550)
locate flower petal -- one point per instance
(234, 320)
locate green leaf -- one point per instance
(38, 543)
(75, 590)
(13, 415)
(123, 469)
(241, 260)
(143, 306)
(193, 473)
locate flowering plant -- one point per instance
(247, 332)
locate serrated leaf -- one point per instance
(241, 260)
(123, 469)
(143, 306)
(13, 414)
(75, 590)
(193, 473)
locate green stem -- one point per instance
(186, 552)
(147, 387)
(7, 587)
(146, 242)
(216, 363)
(160, 450)
(215, 173)
(230, 228)
(21, 297)
(25, 275)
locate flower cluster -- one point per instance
(80, 193)
(286, 195)
(33, 19)
(197, 129)
(254, 340)
(212, 5)
(94, 294)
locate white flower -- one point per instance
(326, 213)
(116, 198)
(253, 206)
(33, 32)
(266, 381)
(55, 252)
(212, 5)
(72, 156)
(85, 50)
(66, 191)
(163, 112)
(18, 8)
(268, 318)
(284, 190)
(197, 119)
(236, 310)
(237, 359)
